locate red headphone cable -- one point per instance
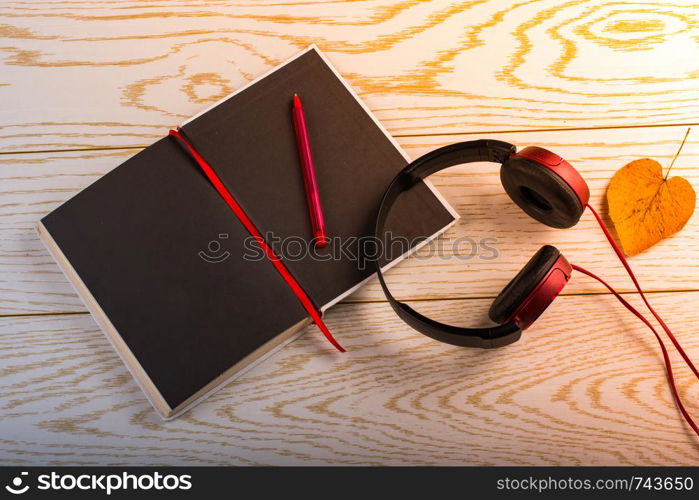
(666, 357)
(667, 330)
(623, 260)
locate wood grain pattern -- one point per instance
(84, 74)
(91, 78)
(563, 395)
(461, 264)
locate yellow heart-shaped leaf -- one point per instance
(646, 208)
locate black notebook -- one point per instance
(173, 277)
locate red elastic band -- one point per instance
(666, 357)
(242, 216)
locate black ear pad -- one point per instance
(523, 284)
(540, 192)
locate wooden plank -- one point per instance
(563, 395)
(31, 185)
(84, 74)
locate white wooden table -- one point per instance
(85, 85)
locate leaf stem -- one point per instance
(678, 152)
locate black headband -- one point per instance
(439, 159)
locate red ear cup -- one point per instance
(545, 186)
(531, 291)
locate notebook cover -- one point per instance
(249, 139)
(135, 237)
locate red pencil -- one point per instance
(309, 174)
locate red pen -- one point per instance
(309, 174)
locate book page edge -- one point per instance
(127, 357)
(262, 355)
(385, 268)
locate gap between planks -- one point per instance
(379, 301)
(437, 134)
(372, 301)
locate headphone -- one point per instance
(542, 184)
(549, 189)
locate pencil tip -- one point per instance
(297, 101)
